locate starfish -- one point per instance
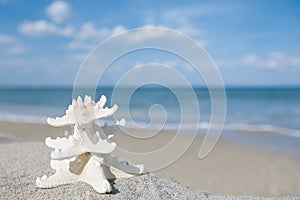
(86, 153)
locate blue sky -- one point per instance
(254, 43)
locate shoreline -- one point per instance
(232, 168)
(263, 141)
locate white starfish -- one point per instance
(85, 155)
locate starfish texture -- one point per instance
(85, 154)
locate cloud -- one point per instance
(183, 19)
(180, 19)
(143, 35)
(9, 45)
(58, 11)
(89, 35)
(273, 60)
(84, 38)
(89, 31)
(190, 30)
(43, 27)
(185, 14)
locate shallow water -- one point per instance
(248, 109)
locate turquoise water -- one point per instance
(276, 109)
(250, 111)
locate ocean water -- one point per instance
(248, 109)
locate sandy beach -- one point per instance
(230, 169)
(204, 95)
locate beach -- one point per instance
(182, 100)
(231, 169)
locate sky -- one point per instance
(253, 43)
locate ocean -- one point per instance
(274, 106)
(248, 109)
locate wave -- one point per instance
(23, 118)
(239, 127)
(254, 128)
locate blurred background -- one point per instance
(255, 45)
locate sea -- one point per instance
(250, 110)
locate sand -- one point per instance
(229, 170)
(18, 179)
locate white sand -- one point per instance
(230, 169)
(29, 160)
(22, 162)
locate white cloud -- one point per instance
(117, 30)
(89, 35)
(181, 18)
(190, 30)
(89, 31)
(42, 27)
(147, 33)
(143, 35)
(58, 11)
(9, 45)
(86, 37)
(273, 60)
(184, 14)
